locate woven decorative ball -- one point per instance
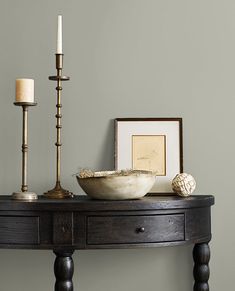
(183, 184)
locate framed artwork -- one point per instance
(154, 144)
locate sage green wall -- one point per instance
(126, 58)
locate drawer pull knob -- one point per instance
(140, 229)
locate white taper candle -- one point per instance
(59, 35)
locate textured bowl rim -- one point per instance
(112, 174)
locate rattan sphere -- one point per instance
(183, 184)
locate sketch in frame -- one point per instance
(153, 144)
(149, 153)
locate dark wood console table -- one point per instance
(81, 223)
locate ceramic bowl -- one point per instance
(111, 185)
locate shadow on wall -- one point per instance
(135, 269)
(105, 159)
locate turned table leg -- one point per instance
(201, 271)
(63, 269)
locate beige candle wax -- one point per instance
(24, 90)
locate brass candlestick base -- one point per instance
(24, 194)
(58, 192)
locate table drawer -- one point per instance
(134, 229)
(19, 230)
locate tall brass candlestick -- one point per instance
(24, 194)
(58, 192)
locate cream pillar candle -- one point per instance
(25, 90)
(59, 35)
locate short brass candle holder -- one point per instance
(58, 192)
(24, 194)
